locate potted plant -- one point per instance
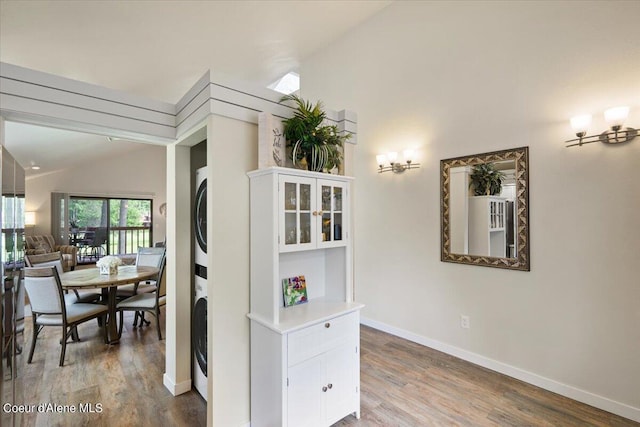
(309, 140)
(486, 180)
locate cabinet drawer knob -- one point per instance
(327, 325)
(330, 385)
(324, 389)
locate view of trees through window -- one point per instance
(12, 229)
(120, 225)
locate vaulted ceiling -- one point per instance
(158, 49)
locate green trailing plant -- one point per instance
(486, 180)
(334, 159)
(309, 140)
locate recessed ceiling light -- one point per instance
(35, 168)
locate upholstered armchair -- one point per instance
(37, 245)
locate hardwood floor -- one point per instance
(402, 384)
(126, 379)
(406, 384)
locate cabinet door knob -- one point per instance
(324, 389)
(330, 385)
(327, 325)
(315, 213)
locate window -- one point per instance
(12, 230)
(101, 226)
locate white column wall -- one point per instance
(177, 377)
(232, 150)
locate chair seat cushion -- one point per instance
(143, 288)
(75, 313)
(141, 301)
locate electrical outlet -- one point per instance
(465, 322)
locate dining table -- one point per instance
(91, 278)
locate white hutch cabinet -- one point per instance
(487, 226)
(305, 359)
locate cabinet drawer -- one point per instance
(319, 338)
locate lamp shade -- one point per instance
(581, 123)
(381, 159)
(408, 155)
(29, 218)
(392, 156)
(616, 116)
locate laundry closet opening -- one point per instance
(199, 275)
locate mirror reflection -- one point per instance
(485, 209)
(483, 206)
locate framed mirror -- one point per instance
(484, 209)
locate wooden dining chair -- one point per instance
(147, 257)
(48, 307)
(54, 259)
(146, 302)
(13, 302)
(20, 311)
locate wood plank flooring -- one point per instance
(406, 384)
(126, 379)
(402, 384)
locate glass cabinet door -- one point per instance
(496, 214)
(296, 201)
(331, 201)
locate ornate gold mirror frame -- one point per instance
(522, 259)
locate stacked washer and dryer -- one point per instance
(199, 326)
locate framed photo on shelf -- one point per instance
(294, 291)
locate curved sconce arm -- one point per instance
(389, 163)
(617, 134)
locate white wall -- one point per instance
(232, 151)
(459, 78)
(140, 172)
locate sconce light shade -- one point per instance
(580, 124)
(395, 167)
(408, 155)
(616, 116)
(29, 218)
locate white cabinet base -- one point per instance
(308, 376)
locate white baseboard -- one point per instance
(176, 389)
(548, 384)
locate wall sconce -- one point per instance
(393, 166)
(615, 118)
(29, 219)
